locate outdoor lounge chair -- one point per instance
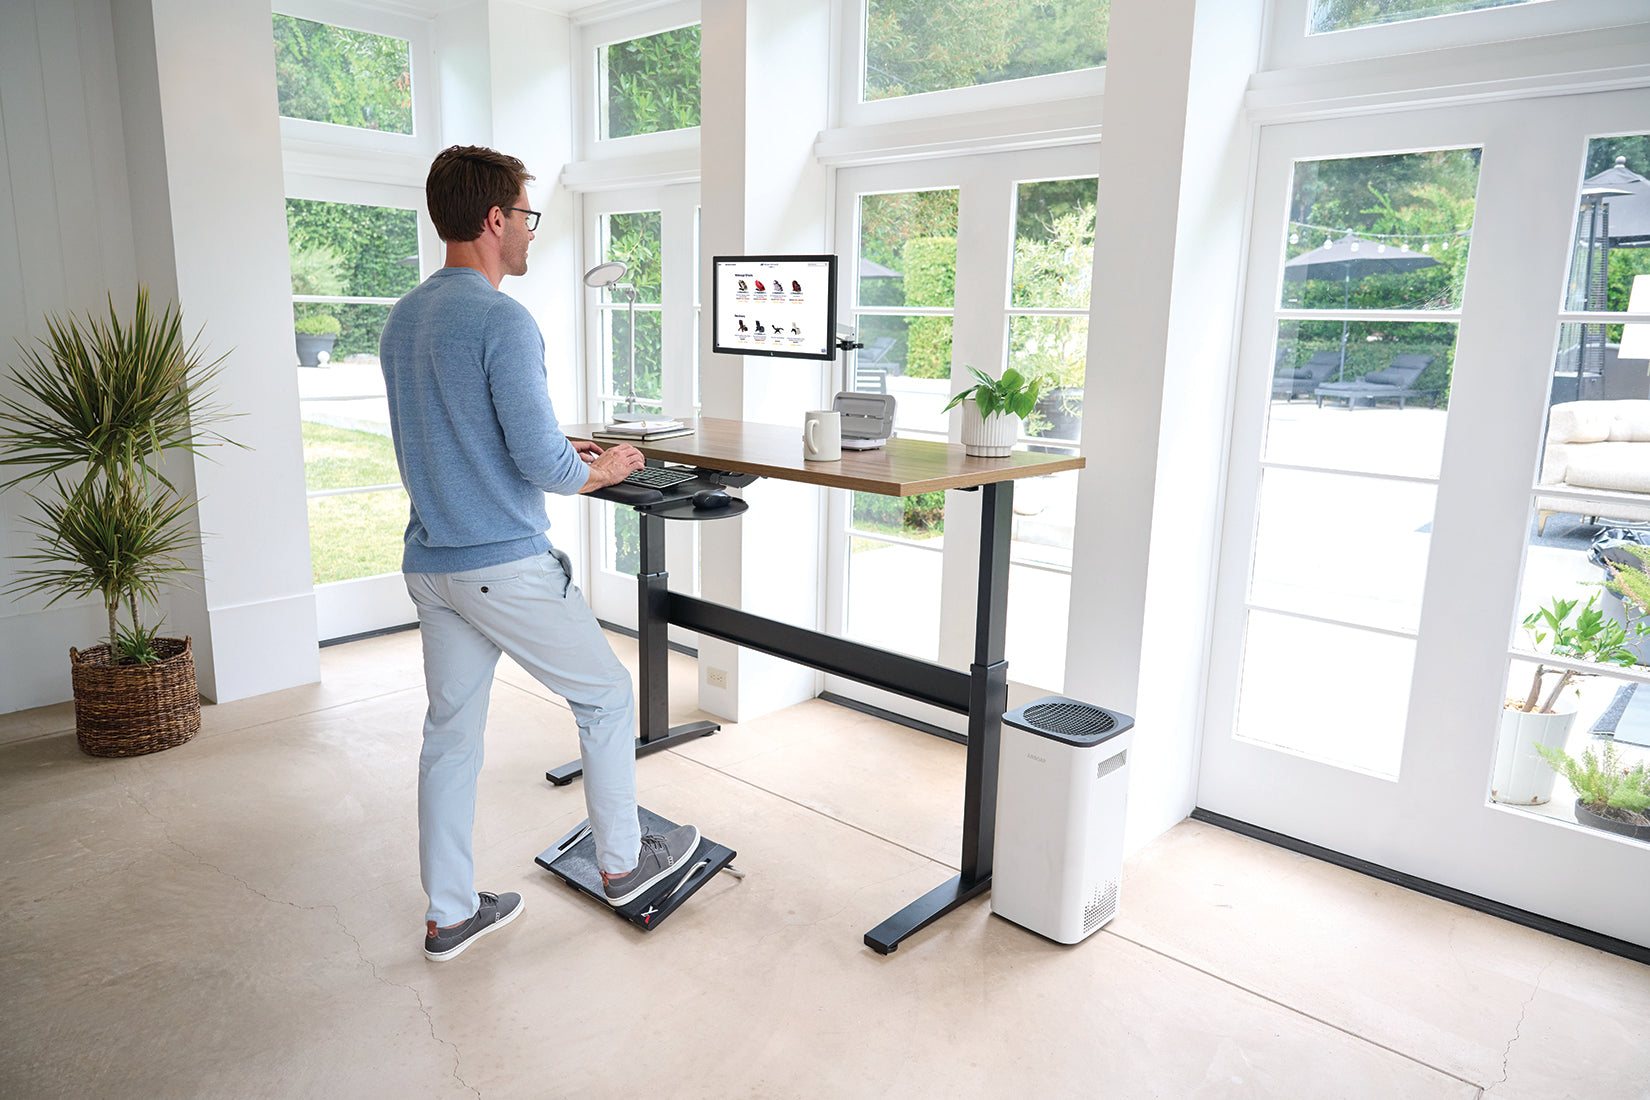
(1292, 382)
(1395, 382)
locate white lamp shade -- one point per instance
(1635, 339)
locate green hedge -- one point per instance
(930, 266)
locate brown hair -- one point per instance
(465, 183)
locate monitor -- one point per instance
(774, 305)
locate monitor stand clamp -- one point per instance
(573, 860)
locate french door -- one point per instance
(640, 357)
(981, 261)
(1409, 321)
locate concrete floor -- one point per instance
(241, 917)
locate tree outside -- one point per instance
(915, 46)
(348, 78)
(652, 83)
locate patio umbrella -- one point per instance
(1629, 204)
(1349, 258)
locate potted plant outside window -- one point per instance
(1609, 795)
(992, 411)
(1539, 718)
(98, 406)
(318, 271)
(315, 334)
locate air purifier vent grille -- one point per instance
(1106, 767)
(1071, 719)
(1101, 908)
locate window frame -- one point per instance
(852, 109)
(426, 95)
(1288, 45)
(592, 36)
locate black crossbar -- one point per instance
(907, 676)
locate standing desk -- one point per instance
(902, 468)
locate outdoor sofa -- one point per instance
(1597, 445)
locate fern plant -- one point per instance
(98, 403)
(1602, 780)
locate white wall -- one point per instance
(763, 192)
(140, 146)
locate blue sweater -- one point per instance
(475, 437)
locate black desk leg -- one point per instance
(653, 652)
(987, 699)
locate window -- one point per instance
(916, 46)
(349, 265)
(1375, 254)
(1340, 15)
(343, 77)
(649, 85)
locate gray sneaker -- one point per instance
(496, 911)
(661, 855)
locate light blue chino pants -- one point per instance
(531, 610)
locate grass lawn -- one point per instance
(359, 534)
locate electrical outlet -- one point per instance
(716, 677)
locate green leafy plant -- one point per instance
(1604, 782)
(1013, 393)
(317, 324)
(1590, 637)
(1632, 583)
(99, 403)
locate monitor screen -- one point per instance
(774, 305)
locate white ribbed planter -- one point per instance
(1522, 778)
(993, 438)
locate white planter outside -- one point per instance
(1522, 778)
(993, 438)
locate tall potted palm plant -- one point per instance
(94, 407)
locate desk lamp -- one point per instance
(608, 275)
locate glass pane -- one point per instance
(1612, 237)
(894, 597)
(1341, 547)
(1388, 232)
(651, 84)
(649, 344)
(356, 534)
(624, 546)
(1054, 244)
(344, 458)
(1306, 688)
(1045, 511)
(349, 78)
(920, 517)
(914, 46)
(636, 240)
(346, 249)
(1382, 410)
(1340, 15)
(1054, 349)
(909, 357)
(1036, 632)
(908, 249)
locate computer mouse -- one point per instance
(709, 499)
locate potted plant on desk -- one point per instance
(992, 411)
(98, 404)
(1539, 719)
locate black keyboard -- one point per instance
(660, 477)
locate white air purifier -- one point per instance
(1062, 792)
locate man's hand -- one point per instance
(611, 465)
(586, 449)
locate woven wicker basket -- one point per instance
(130, 710)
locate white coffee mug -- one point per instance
(822, 436)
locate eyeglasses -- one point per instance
(532, 217)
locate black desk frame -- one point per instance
(981, 693)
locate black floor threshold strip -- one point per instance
(1575, 934)
(687, 651)
(365, 634)
(890, 716)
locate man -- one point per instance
(478, 446)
